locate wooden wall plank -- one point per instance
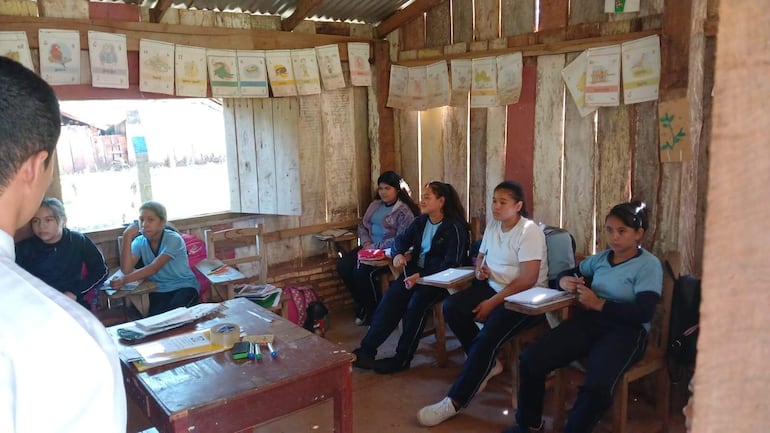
(549, 140)
(413, 34)
(339, 137)
(553, 14)
(520, 148)
(518, 16)
(247, 156)
(432, 145)
(586, 11)
(478, 156)
(462, 21)
(363, 168)
(285, 121)
(312, 173)
(456, 161)
(264, 141)
(675, 51)
(495, 165)
(114, 11)
(410, 161)
(438, 25)
(63, 8)
(231, 145)
(487, 20)
(21, 8)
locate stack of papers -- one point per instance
(217, 272)
(170, 349)
(332, 233)
(449, 276)
(266, 295)
(537, 296)
(119, 274)
(175, 317)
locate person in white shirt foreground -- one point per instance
(44, 336)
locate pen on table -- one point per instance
(273, 353)
(211, 272)
(251, 350)
(258, 352)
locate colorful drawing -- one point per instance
(190, 69)
(252, 70)
(482, 77)
(107, 55)
(599, 75)
(674, 137)
(13, 55)
(59, 53)
(222, 71)
(158, 63)
(281, 70)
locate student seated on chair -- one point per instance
(165, 256)
(617, 290)
(387, 216)
(512, 258)
(56, 254)
(439, 239)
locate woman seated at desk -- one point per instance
(387, 216)
(163, 252)
(439, 239)
(57, 255)
(617, 290)
(512, 258)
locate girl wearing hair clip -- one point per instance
(617, 290)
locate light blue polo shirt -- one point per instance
(176, 274)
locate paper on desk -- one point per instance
(119, 274)
(176, 317)
(176, 348)
(332, 233)
(538, 296)
(217, 272)
(448, 276)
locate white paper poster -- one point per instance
(306, 71)
(417, 88)
(509, 69)
(330, 65)
(358, 58)
(109, 63)
(461, 81)
(223, 73)
(280, 72)
(438, 84)
(252, 73)
(484, 82)
(190, 71)
(620, 6)
(641, 69)
(399, 79)
(15, 46)
(574, 76)
(603, 77)
(59, 56)
(156, 66)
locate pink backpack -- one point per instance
(298, 299)
(196, 251)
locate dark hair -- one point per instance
(453, 207)
(633, 214)
(404, 192)
(156, 208)
(517, 193)
(55, 206)
(30, 120)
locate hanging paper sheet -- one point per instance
(397, 89)
(574, 76)
(417, 88)
(358, 58)
(621, 6)
(674, 129)
(509, 69)
(461, 81)
(484, 83)
(15, 46)
(156, 66)
(223, 72)
(438, 84)
(252, 73)
(280, 72)
(190, 71)
(59, 56)
(330, 65)
(603, 77)
(306, 71)
(641, 69)
(109, 63)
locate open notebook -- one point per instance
(449, 276)
(538, 296)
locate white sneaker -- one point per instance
(437, 413)
(496, 369)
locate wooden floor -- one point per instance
(389, 403)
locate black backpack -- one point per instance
(685, 314)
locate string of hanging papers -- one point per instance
(183, 70)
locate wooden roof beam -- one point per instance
(156, 13)
(405, 15)
(304, 9)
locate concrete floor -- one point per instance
(389, 403)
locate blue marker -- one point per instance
(251, 350)
(273, 353)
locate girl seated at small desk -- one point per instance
(57, 255)
(439, 241)
(164, 254)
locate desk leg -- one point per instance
(343, 403)
(141, 302)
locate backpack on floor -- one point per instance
(305, 309)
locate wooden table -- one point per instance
(218, 394)
(222, 283)
(548, 307)
(454, 286)
(138, 297)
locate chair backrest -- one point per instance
(659, 326)
(251, 261)
(561, 252)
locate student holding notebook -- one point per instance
(439, 241)
(512, 258)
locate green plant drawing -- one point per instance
(665, 122)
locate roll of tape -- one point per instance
(225, 334)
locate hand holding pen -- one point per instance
(482, 270)
(571, 283)
(411, 280)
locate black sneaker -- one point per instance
(390, 365)
(363, 361)
(360, 316)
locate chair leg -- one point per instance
(516, 351)
(438, 320)
(663, 399)
(620, 408)
(559, 397)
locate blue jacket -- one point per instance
(60, 265)
(449, 247)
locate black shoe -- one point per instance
(360, 316)
(390, 365)
(363, 361)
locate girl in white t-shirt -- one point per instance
(512, 258)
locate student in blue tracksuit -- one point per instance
(438, 239)
(57, 255)
(617, 290)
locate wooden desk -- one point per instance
(340, 244)
(138, 297)
(461, 284)
(541, 309)
(222, 283)
(218, 394)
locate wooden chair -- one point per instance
(219, 241)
